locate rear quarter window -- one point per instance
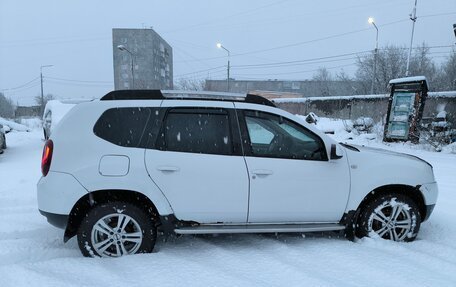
(123, 126)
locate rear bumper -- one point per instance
(58, 192)
(58, 220)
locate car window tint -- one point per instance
(122, 126)
(274, 136)
(197, 131)
(258, 134)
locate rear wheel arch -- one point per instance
(85, 203)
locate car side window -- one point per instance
(274, 136)
(197, 130)
(122, 126)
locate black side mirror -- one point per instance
(335, 152)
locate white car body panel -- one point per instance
(202, 187)
(81, 158)
(374, 168)
(297, 190)
(58, 192)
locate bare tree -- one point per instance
(422, 64)
(346, 84)
(323, 79)
(446, 79)
(189, 85)
(6, 107)
(41, 102)
(391, 63)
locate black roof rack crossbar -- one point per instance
(133, 95)
(184, 95)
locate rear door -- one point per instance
(197, 162)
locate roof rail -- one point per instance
(184, 95)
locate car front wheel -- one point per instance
(390, 216)
(116, 229)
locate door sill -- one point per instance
(259, 228)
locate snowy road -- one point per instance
(32, 252)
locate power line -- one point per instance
(227, 17)
(21, 86)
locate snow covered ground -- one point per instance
(32, 252)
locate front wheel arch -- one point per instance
(85, 203)
(406, 190)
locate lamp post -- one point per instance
(220, 46)
(41, 79)
(413, 18)
(372, 21)
(123, 48)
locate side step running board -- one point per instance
(259, 228)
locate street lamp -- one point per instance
(220, 46)
(372, 22)
(123, 48)
(41, 77)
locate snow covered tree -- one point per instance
(41, 102)
(189, 85)
(6, 107)
(391, 64)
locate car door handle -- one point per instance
(168, 168)
(262, 172)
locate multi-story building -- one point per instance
(142, 60)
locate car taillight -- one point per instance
(47, 157)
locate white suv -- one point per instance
(117, 169)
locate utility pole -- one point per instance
(413, 18)
(41, 79)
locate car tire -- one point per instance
(115, 229)
(4, 142)
(390, 216)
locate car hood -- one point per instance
(365, 149)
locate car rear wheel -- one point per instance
(390, 216)
(116, 229)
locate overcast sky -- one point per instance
(75, 37)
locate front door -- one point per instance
(291, 177)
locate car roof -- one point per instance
(185, 95)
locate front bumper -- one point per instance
(429, 209)
(430, 192)
(58, 220)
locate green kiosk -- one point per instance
(405, 109)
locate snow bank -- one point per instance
(13, 125)
(32, 252)
(31, 123)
